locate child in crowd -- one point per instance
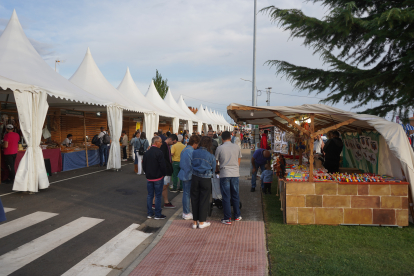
(267, 179)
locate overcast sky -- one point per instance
(203, 47)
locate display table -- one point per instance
(52, 154)
(77, 159)
(334, 203)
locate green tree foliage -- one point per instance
(374, 57)
(160, 84)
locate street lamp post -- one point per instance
(254, 95)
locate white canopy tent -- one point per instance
(201, 113)
(154, 97)
(151, 119)
(169, 100)
(89, 77)
(395, 155)
(25, 78)
(213, 120)
(193, 116)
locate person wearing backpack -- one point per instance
(105, 141)
(141, 146)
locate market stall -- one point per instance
(376, 151)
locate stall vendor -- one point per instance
(260, 158)
(333, 149)
(68, 141)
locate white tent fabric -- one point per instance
(393, 133)
(31, 173)
(193, 116)
(212, 120)
(151, 121)
(130, 90)
(203, 116)
(200, 127)
(154, 97)
(20, 62)
(169, 100)
(115, 129)
(175, 125)
(90, 78)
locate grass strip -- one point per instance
(336, 250)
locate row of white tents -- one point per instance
(27, 80)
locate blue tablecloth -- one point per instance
(77, 160)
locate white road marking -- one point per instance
(110, 254)
(30, 251)
(8, 209)
(23, 222)
(70, 178)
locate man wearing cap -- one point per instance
(11, 145)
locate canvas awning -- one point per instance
(327, 118)
(23, 69)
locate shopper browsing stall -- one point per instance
(124, 145)
(11, 146)
(260, 158)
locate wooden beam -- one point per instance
(322, 131)
(283, 127)
(312, 127)
(290, 121)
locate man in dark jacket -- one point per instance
(333, 149)
(154, 167)
(163, 137)
(166, 150)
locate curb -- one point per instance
(159, 236)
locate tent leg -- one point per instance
(86, 144)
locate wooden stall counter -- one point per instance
(333, 203)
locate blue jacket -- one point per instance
(203, 163)
(267, 176)
(186, 170)
(137, 142)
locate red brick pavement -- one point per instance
(220, 249)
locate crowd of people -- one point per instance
(190, 163)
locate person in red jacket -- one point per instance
(263, 141)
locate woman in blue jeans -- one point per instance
(203, 165)
(186, 173)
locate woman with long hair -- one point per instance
(141, 145)
(203, 164)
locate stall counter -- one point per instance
(333, 203)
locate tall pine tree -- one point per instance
(160, 84)
(374, 42)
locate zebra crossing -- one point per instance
(100, 262)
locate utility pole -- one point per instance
(254, 96)
(56, 61)
(255, 131)
(268, 95)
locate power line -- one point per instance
(297, 96)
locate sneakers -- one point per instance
(160, 217)
(204, 225)
(173, 190)
(226, 221)
(171, 186)
(194, 226)
(180, 190)
(169, 205)
(187, 216)
(238, 219)
(252, 189)
(150, 217)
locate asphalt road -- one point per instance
(111, 201)
(118, 198)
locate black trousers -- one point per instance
(200, 197)
(10, 159)
(124, 151)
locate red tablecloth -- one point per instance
(54, 155)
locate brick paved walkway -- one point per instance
(220, 249)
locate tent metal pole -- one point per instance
(86, 143)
